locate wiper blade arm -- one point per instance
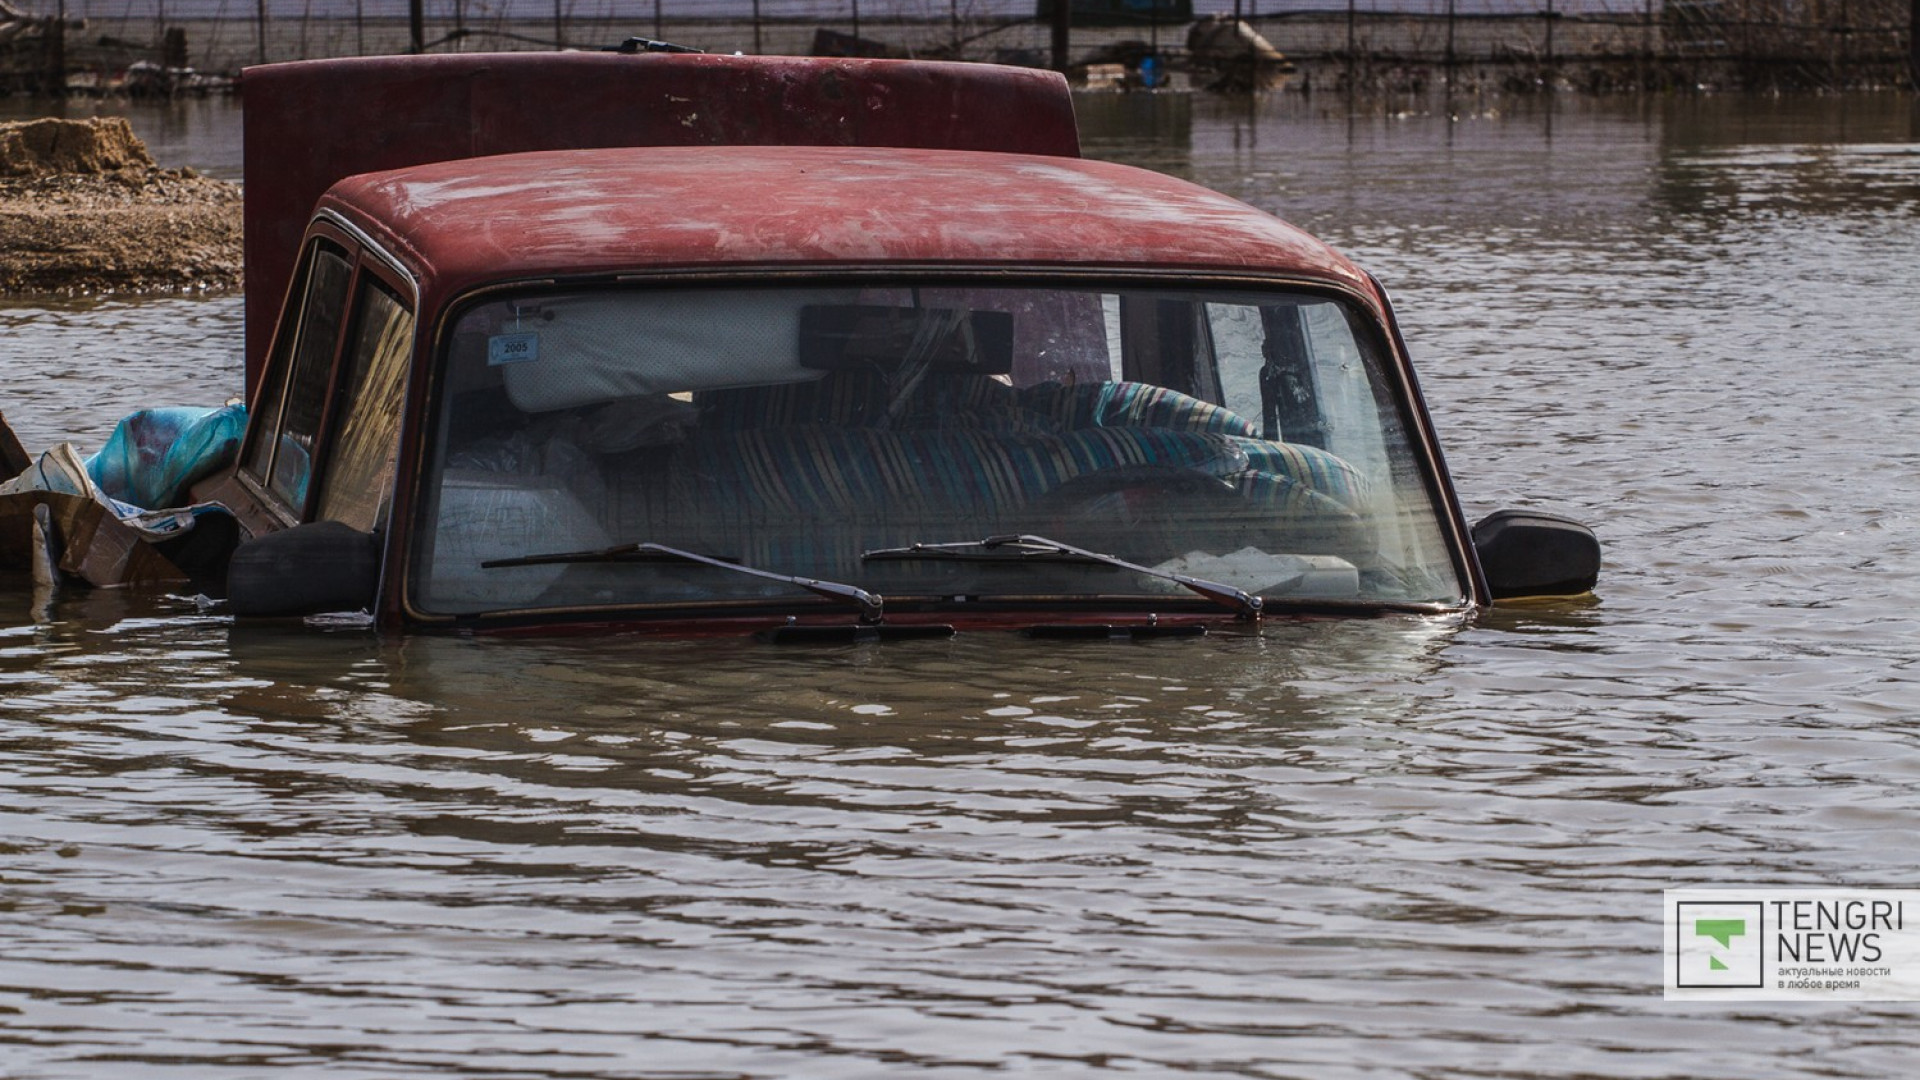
(1028, 546)
(1239, 600)
(988, 550)
(871, 605)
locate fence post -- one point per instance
(1350, 49)
(1646, 48)
(260, 27)
(1239, 21)
(1063, 32)
(1550, 15)
(1913, 47)
(1837, 66)
(55, 79)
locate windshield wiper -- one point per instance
(1026, 546)
(870, 604)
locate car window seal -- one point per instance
(1021, 547)
(871, 605)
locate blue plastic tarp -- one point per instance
(155, 455)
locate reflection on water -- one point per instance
(1388, 848)
(76, 366)
(198, 133)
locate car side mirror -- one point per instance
(310, 569)
(1527, 553)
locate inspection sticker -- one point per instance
(1749, 944)
(512, 349)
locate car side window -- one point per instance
(366, 439)
(292, 401)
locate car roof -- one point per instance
(459, 224)
(310, 123)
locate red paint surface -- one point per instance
(461, 224)
(310, 123)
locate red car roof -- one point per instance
(467, 222)
(311, 122)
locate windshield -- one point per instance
(1245, 438)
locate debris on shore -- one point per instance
(84, 210)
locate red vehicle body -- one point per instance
(311, 123)
(581, 304)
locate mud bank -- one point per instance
(84, 209)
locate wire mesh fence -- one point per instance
(1805, 42)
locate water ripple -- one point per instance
(1400, 848)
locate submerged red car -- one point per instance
(810, 348)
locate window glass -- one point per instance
(360, 455)
(257, 459)
(1245, 437)
(281, 439)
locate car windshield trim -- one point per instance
(1020, 547)
(790, 426)
(872, 606)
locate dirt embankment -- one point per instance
(84, 209)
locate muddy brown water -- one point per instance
(1401, 848)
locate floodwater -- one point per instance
(1402, 848)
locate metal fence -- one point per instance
(1806, 42)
